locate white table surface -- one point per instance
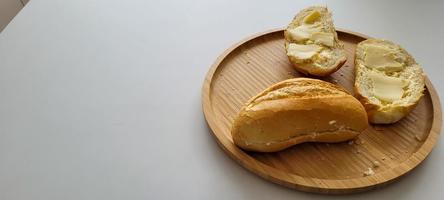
(101, 99)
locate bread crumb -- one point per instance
(358, 151)
(418, 137)
(350, 142)
(369, 172)
(342, 74)
(332, 122)
(376, 164)
(383, 158)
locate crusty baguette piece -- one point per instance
(313, 27)
(388, 81)
(295, 111)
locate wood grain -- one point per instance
(8, 10)
(259, 61)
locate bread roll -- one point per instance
(388, 82)
(312, 44)
(295, 111)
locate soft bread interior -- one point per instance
(313, 26)
(387, 77)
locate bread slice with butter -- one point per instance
(312, 44)
(295, 111)
(389, 82)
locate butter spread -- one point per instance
(312, 17)
(303, 32)
(303, 51)
(323, 38)
(387, 88)
(381, 58)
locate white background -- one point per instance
(101, 99)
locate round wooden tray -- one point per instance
(259, 61)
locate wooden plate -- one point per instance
(390, 151)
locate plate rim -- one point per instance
(308, 184)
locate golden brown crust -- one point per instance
(295, 111)
(298, 83)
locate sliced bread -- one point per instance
(388, 81)
(312, 44)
